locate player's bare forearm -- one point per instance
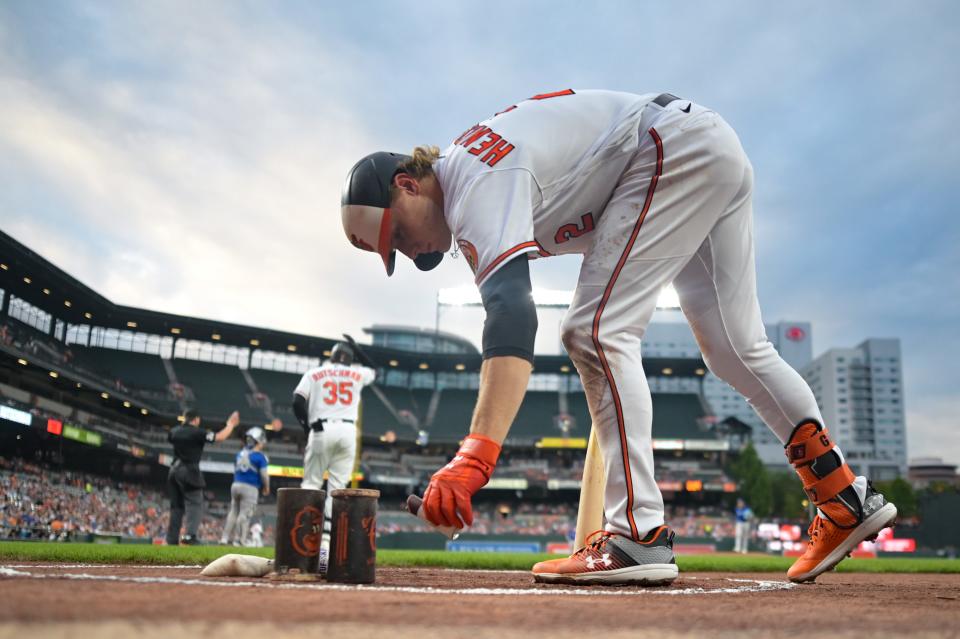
(503, 383)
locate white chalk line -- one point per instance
(473, 571)
(758, 586)
(479, 571)
(137, 566)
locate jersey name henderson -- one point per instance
(536, 177)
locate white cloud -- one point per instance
(216, 190)
(198, 149)
(932, 429)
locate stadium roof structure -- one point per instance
(386, 332)
(34, 279)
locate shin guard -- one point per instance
(827, 479)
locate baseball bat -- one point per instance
(365, 359)
(415, 507)
(590, 511)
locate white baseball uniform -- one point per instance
(650, 195)
(332, 392)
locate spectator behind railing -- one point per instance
(37, 502)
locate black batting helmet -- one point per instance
(342, 354)
(365, 209)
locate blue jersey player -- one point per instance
(250, 479)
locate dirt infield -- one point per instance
(114, 601)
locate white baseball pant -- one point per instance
(741, 540)
(681, 213)
(333, 451)
(243, 503)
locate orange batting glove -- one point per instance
(447, 499)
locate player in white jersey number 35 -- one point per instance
(326, 403)
(650, 189)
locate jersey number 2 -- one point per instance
(568, 232)
(342, 392)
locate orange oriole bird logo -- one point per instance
(306, 530)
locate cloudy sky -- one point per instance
(188, 156)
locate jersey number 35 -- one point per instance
(342, 392)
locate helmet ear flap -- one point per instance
(428, 261)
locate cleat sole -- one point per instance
(870, 528)
(646, 575)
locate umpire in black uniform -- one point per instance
(185, 481)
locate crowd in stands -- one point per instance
(561, 519)
(41, 503)
(538, 466)
(705, 521)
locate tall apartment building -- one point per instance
(860, 393)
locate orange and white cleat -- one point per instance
(842, 521)
(614, 560)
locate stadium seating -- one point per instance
(377, 418)
(218, 390)
(536, 417)
(420, 404)
(452, 419)
(534, 420)
(577, 407)
(138, 370)
(675, 416)
(277, 386)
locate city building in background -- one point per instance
(928, 470)
(860, 393)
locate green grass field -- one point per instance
(13, 551)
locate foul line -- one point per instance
(137, 566)
(759, 586)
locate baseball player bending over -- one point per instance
(650, 189)
(326, 403)
(250, 479)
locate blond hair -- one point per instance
(420, 165)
